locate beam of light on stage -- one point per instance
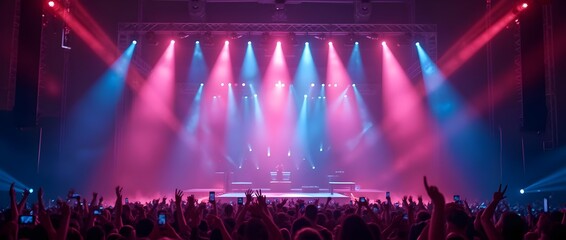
(6, 181)
(410, 133)
(249, 73)
(82, 24)
(234, 131)
(278, 109)
(356, 66)
(92, 120)
(150, 127)
(306, 76)
(198, 69)
(464, 136)
(553, 164)
(478, 36)
(342, 110)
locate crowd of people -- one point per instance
(184, 217)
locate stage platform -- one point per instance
(302, 195)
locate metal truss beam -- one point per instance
(259, 28)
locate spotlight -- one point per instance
(229, 84)
(134, 42)
(255, 95)
(226, 42)
(330, 43)
(30, 190)
(249, 42)
(335, 85)
(197, 42)
(307, 43)
(305, 96)
(51, 4)
(313, 167)
(525, 5)
(312, 84)
(201, 84)
(278, 43)
(357, 43)
(353, 85)
(383, 43)
(522, 191)
(323, 84)
(222, 84)
(243, 84)
(172, 41)
(417, 43)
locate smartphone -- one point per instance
(456, 198)
(161, 218)
(97, 212)
(211, 197)
(27, 220)
(240, 201)
(127, 201)
(268, 201)
(387, 194)
(76, 195)
(362, 199)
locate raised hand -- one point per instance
(12, 190)
(249, 196)
(178, 196)
(119, 191)
(435, 195)
(499, 195)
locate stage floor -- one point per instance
(280, 195)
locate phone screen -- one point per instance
(240, 200)
(27, 220)
(212, 197)
(161, 219)
(362, 199)
(97, 212)
(127, 201)
(387, 194)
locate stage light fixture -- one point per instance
(278, 42)
(229, 84)
(226, 42)
(313, 167)
(249, 42)
(335, 85)
(31, 190)
(330, 43)
(197, 42)
(51, 4)
(353, 85)
(172, 41)
(383, 43)
(307, 43)
(524, 5)
(222, 84)
(312, 84)
(134, 42)
(305, 96)
(522, 191)
(323, 84)
(243, 84)
(417, 43)
(255, 95)
(357, 43)
(201, 84)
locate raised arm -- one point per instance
(266, 217)
(437, 226)
(22, 203)
(179, 217)
(118, 208)
(65, 219)
(486, 218)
